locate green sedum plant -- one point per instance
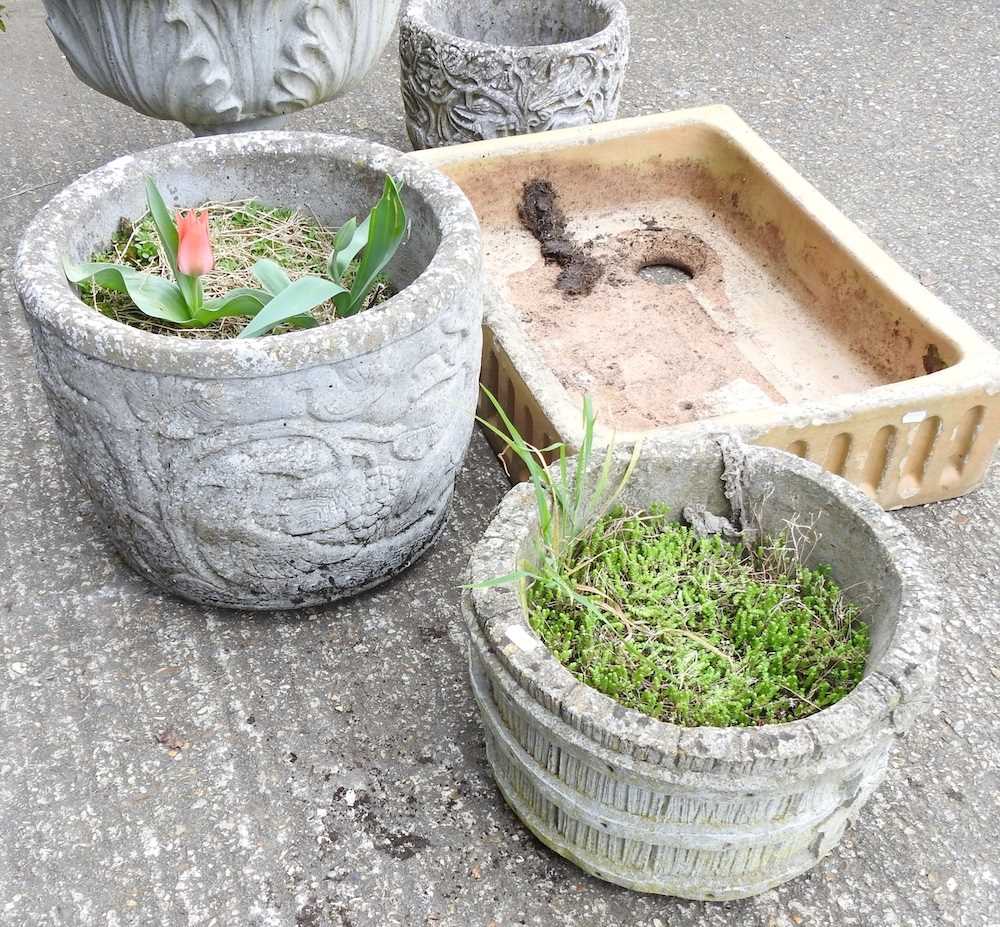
(684, 628)
(279, 300)
(698, 630)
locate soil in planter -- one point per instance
(242, 233)
(696, 630)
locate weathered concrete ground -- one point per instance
(164, 765)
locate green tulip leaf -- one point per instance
(241, 301)
(348, 244)
(346, 234)
(164, 222)
(271, 275)
(387, 228)
(302, 321)
(166, 229)
(303, 295)
(153, 295)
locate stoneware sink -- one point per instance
(698, 282)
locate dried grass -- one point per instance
(243, 232)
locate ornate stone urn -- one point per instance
(222, 65)
(275, 472)
(479, 69)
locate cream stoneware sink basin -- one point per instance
(679, 271)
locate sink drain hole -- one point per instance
(666, 273)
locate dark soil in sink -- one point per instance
(540, 214)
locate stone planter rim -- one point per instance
(49, 298)
(908, 665)
(415, 17)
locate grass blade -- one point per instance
(495, 581)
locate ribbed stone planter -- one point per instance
(222, 65)
(281, 471)
(477, 69)
(705, 813)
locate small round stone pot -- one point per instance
(222, 65)
(702, 813)
(282, 471)
(477, 69)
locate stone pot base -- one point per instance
(539, 805)
(402, 560)
(262, 124)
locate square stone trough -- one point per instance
(714, 288)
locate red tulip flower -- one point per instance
(194, 250)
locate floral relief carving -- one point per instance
(212, 62)
(455, 91)
(275, 491)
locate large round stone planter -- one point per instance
(222, 65)
(281, 471)
(477, 69)
(704, 813)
